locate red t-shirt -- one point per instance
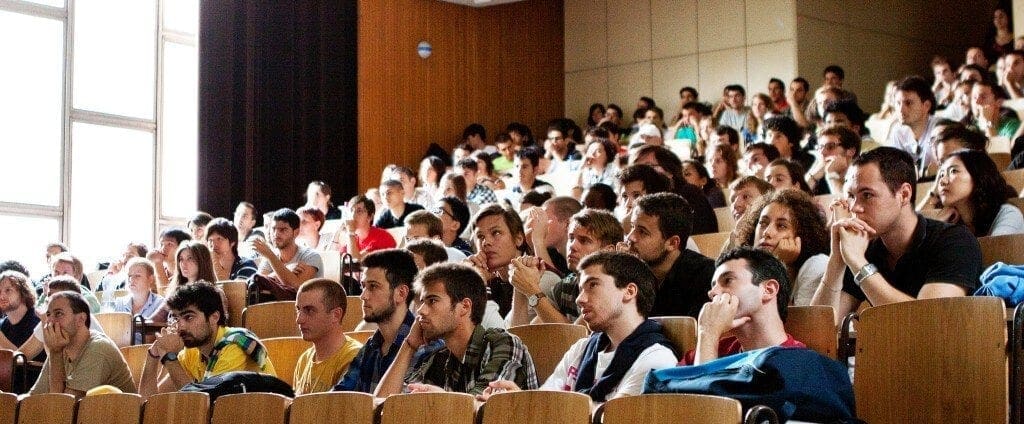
(729, 346)
(376, 239)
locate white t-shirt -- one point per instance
(564, 377)
(808, 278)
(1009, 220)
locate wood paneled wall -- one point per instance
(491, 65)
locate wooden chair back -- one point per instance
(1015, 179)
(47, 408)
(176, 407)
(8, 407)
(815, 326)
(922, 190)
(360, 336)
(341, 407)
(353, 313)
(117, 326)
(271, 319)
(547, 343)
(110, 408)
(234, 292)
(1007, 248)
(6, 370)
(724, 217)
(135, 356)
(1001, 159)
(252, 408)
(932, 360)
(431, 408)
(664, 408)
(536, 407)
(681, 330)
(284, 352)
(711, 244)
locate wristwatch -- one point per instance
(169, 357)
(533, 299)
(865, 272)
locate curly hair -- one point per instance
(807, 218)
(990, 189)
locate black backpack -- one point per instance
(240, 382)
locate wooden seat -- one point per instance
(1005, 248)
(1001, 159)
(341, 407)
(251, 408)
(922, 190)
(176, 407)
(933, 360)
(360, 336)
(284, 352)
(271, 319)
(117, 326)
(111, 408)
(47, 408)
(724, 217)
(135, 356)
(536, 406)
(710, 244)
(6, 370)
(234, 292)
(431, 408)
(353, 313)
(664, 408)
(547, 343)
(681, 330)
(1015, 179)
(815, 326)
(8, 407)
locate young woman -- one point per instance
(783, 174)
(141, 298)
(723, 164)
(595, 115)
(759, 107)
(194, 264)
(431, 170)
(311, 221)
(789, 224)
(318, 195)
(598, 164)
(696, 174)
(973, 192)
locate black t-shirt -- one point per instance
(685, 289)
(704, 220)
(938, 253)
(388, 220)
(558, 261)
(19, 333)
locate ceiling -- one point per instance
(480, 3)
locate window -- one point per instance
(101, 112)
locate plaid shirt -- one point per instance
(492, 354)
(564, 295)
(482, 195)
(365, 372)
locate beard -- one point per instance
(381, 315)
(654, 263)
(191, 341)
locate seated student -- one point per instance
(745, 192)
(477, 192)
(884, 252)
(163, 258)
(78, 359)
(197, 344)
(948, 138)
(697, 175)
(319, 310)
(785, 135)
(141, 298)
(723, 164)
(426, 252)
(600, 196)
(116, 276)
(64, 264)
(973, 192)
(507, 149)
(425, 225)
(668, 164)
(838, 146)
(228, 264)
(311, 222)
(616, 295)
(422, 196)
(452, 298)
(193, 263)
(358, 237)
(599, 163)
(34, 346)
(454, 220)
(546, 229)
(756, 158)
(197, 225)
(397, 208)
(526, 166)
(789, 224)
(17, 304)
(784, 174)
(749, 301)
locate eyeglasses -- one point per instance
(441, 211)
(828, 146)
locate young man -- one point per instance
(667, 163)
(476, 136)
(425, 225)
(560, 148)
(989, 115)
(733, 111)
(78, 359)
(397, 207)
(285, 267)
(387, 292)
(507, 149)
(884, 252)
(915, 103)
(165, 258)
(838, 146)
(777, 91)
(222, 238)
(477, 192)
(17, 302)
(359, 235)
(660, 227)
(757, 157)
(454, 216)
(783, 133)
(197, 344)
(749, 300)
(452, 298)
(245, 219)
(616, 295)
(526, 165)
(319, 310)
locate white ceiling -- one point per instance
(480, 3)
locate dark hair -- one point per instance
(600, 196)
(502, 137)
(398, 265)
(846, 107)
(22, 284)
(650, 102)
(957, 132)
(847, 138)
(609, 147)
(788, 127)
(616, 108)
(535, 198)
(200, 219)
(403, 170)
(801, 81)
(322, 186)
(177, 234)
(763, 266)
(654, 181)
(590, 113)
(675, 216)
(459, 210)
(432, 251)
(460, 282)
(610, 127)
(666, 159)
(896, 167)
(702, 171)
(332, 294)
(997, 90)
(365, 201)
(695, 106)
(512, 221)
(728, 156)
(287, 216)
(204, 263)
(531, 153)
(437, 164)
(769, 150)
(808, 222)
(457, 183)
(13, 265)
(626, 268)
(990, 189)
(77, 303)
(203, 295)
(835, 69)
(224, 228)
(795, 170)
(63, 283)
(523, 130)
(777, 81)
(734, 136)
(736, 87)
(468, 163)
(474, 129)
(485, 158)
(691, 90)
(917, 85)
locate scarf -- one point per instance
(647, 334)
(245, 340)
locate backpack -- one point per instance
(240, 382)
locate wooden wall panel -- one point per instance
(491, 65)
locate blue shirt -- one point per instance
(242, 269)
(365, 372)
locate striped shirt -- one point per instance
(482, 195)
(492, 354)
(242, 269)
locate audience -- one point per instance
(358, 235)
(228, 264)
(286, 265)
(396, 208)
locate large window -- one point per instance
(98, 123)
